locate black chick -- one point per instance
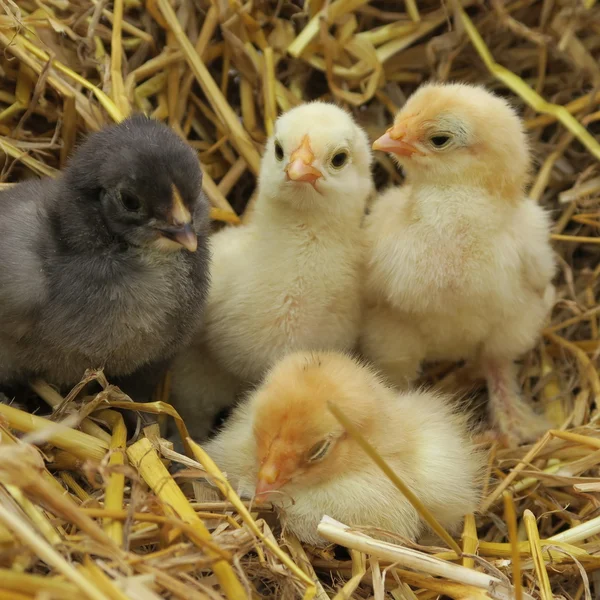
(108, 265)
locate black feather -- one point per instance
(80, 286)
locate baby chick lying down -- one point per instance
(107, 265)
(459, 260)
(288, 280)
(284, 445)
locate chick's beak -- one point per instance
(181, 229)
(394, 141)
(184, 235)
(300, 167)
(268, 481)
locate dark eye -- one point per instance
(278, 151)
(319, 451)
(339, 159)
(439, 141)
(130, 202)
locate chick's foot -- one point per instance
(512, 417)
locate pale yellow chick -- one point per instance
(459, 260)
(283, 445)
(289, 279)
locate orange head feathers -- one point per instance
(458, 133)
(298, 440)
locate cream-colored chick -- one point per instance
(459, 260)
(289, 279)
(283, 445)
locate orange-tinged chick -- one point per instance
(283, 445)
(459, 259)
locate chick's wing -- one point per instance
(23, 284)
(537, 258)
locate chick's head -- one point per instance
(317, 157)
(142, 182)
(299, 443)
(461, 133)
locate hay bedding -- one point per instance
(219, 73)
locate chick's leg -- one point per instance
(393, 344)
(511, 415)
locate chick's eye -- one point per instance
(130, 202)
(339, 160)
(278, 151)
(319, 451)
(439, 141)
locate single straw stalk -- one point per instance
(394, 478)
(113, 499)
(511, 521)
(116, 70)
(77, 443)
(102, 581)
(36, 515)
(29, 584)
(470, 541)
(341, 534)
(538, 560)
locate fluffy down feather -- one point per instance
(283, 444)
(289, 279)
(459, 260)
(107, 266)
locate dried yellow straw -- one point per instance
(42, 549)
(510, 517)
(523, 463)
(104, 100)
(587, 367)
(113, 499)
(145, 459)
(104, 584)
(221, 482)
(77, 443)
(239, 138)
(519, 87)
(36, 584)
(536, 552)
(116, 72)
(470, 541)
(36, 515)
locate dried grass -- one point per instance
(99, 520)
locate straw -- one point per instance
(220, 74)
(144, 458)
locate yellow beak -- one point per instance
(300, 167)
(393, 141)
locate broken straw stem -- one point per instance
(337, 532)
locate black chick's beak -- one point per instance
(180, 229)
(183, 235)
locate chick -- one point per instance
(284, 445)
(106, 266)
(459, 260)
(289, 279)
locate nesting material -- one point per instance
(85, 516)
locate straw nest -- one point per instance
(90, 516)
